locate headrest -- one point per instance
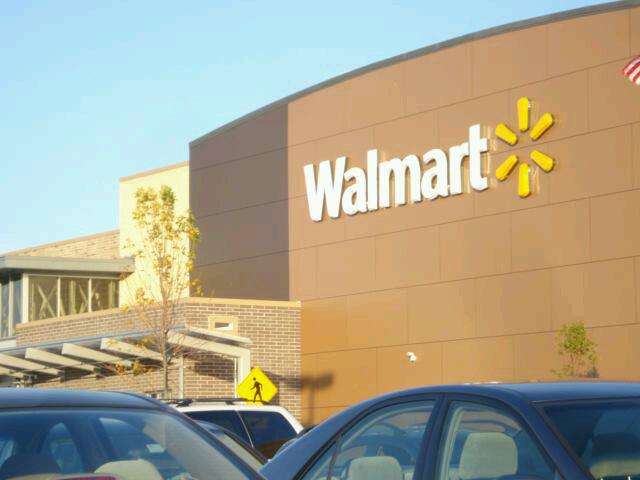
(131, 470)
(616, 466)
(24, 464)
(488, 455)
(375, 468)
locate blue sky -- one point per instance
(91, 91)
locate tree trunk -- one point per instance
(165, 378)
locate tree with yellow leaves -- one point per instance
(164, 249)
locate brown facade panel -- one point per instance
(550, 236)
(514, 304)
(263, 133)
(377, 319)
(635, 135)
(395, 372)
(634, 29)
(448, 74)
(567, 41)
(477, 247)
(615, 225)
(240, 184)
(265, 278)
(595, 164)
(244, 233)
(444, 311)
(478, 360)
(499, 64)
(611, 102)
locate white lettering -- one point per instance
(399, 169)
(477, 146)
(354, 199)
(357, 190)
(456, 156)
(372, 180)
(434, 181)
(327, 190)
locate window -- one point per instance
(228, 419)
(385, 444)
(5, 325)
(604, 435)
(51, 296)
(43, 297)
(480, 442)
(268, 430)
(104, 294)
(74, 295)
(128, 444)
(10, 304)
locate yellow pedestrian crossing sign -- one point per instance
(257, 388)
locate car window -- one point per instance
(128, 444)
(63, 449)
(268, 430)
(228, 419)
(604, 435)
(385, 444)
(481, 442)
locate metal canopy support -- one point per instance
(56, 359)
(95, 356)
(124, 348)
(21, 364)
(242, 354)
(5, 372)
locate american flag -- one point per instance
(632, 70)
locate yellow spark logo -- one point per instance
(504, 133)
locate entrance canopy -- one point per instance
(92, 355)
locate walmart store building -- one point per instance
(437, 217)
(460, 269)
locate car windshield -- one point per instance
(604, 435)
(114, 443)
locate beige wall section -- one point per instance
(475, 285)
(175, 176)
(99, 245)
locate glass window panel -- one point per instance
(4, 307)
(16, 312)
(104, 293)
(384, 444)
(74, 295)
(482, 442)
(43, 297)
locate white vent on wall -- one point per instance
(223, 324)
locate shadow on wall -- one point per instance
(238, 194)
(312, 385)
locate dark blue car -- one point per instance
(536, 431)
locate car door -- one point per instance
(478, 439)
(385, 443)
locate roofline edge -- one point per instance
(488, 32)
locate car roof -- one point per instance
(44, 397)
(537, 391)
(196, 407)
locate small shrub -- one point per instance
(578, 351)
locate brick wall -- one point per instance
(273, 327)
(101, 245)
